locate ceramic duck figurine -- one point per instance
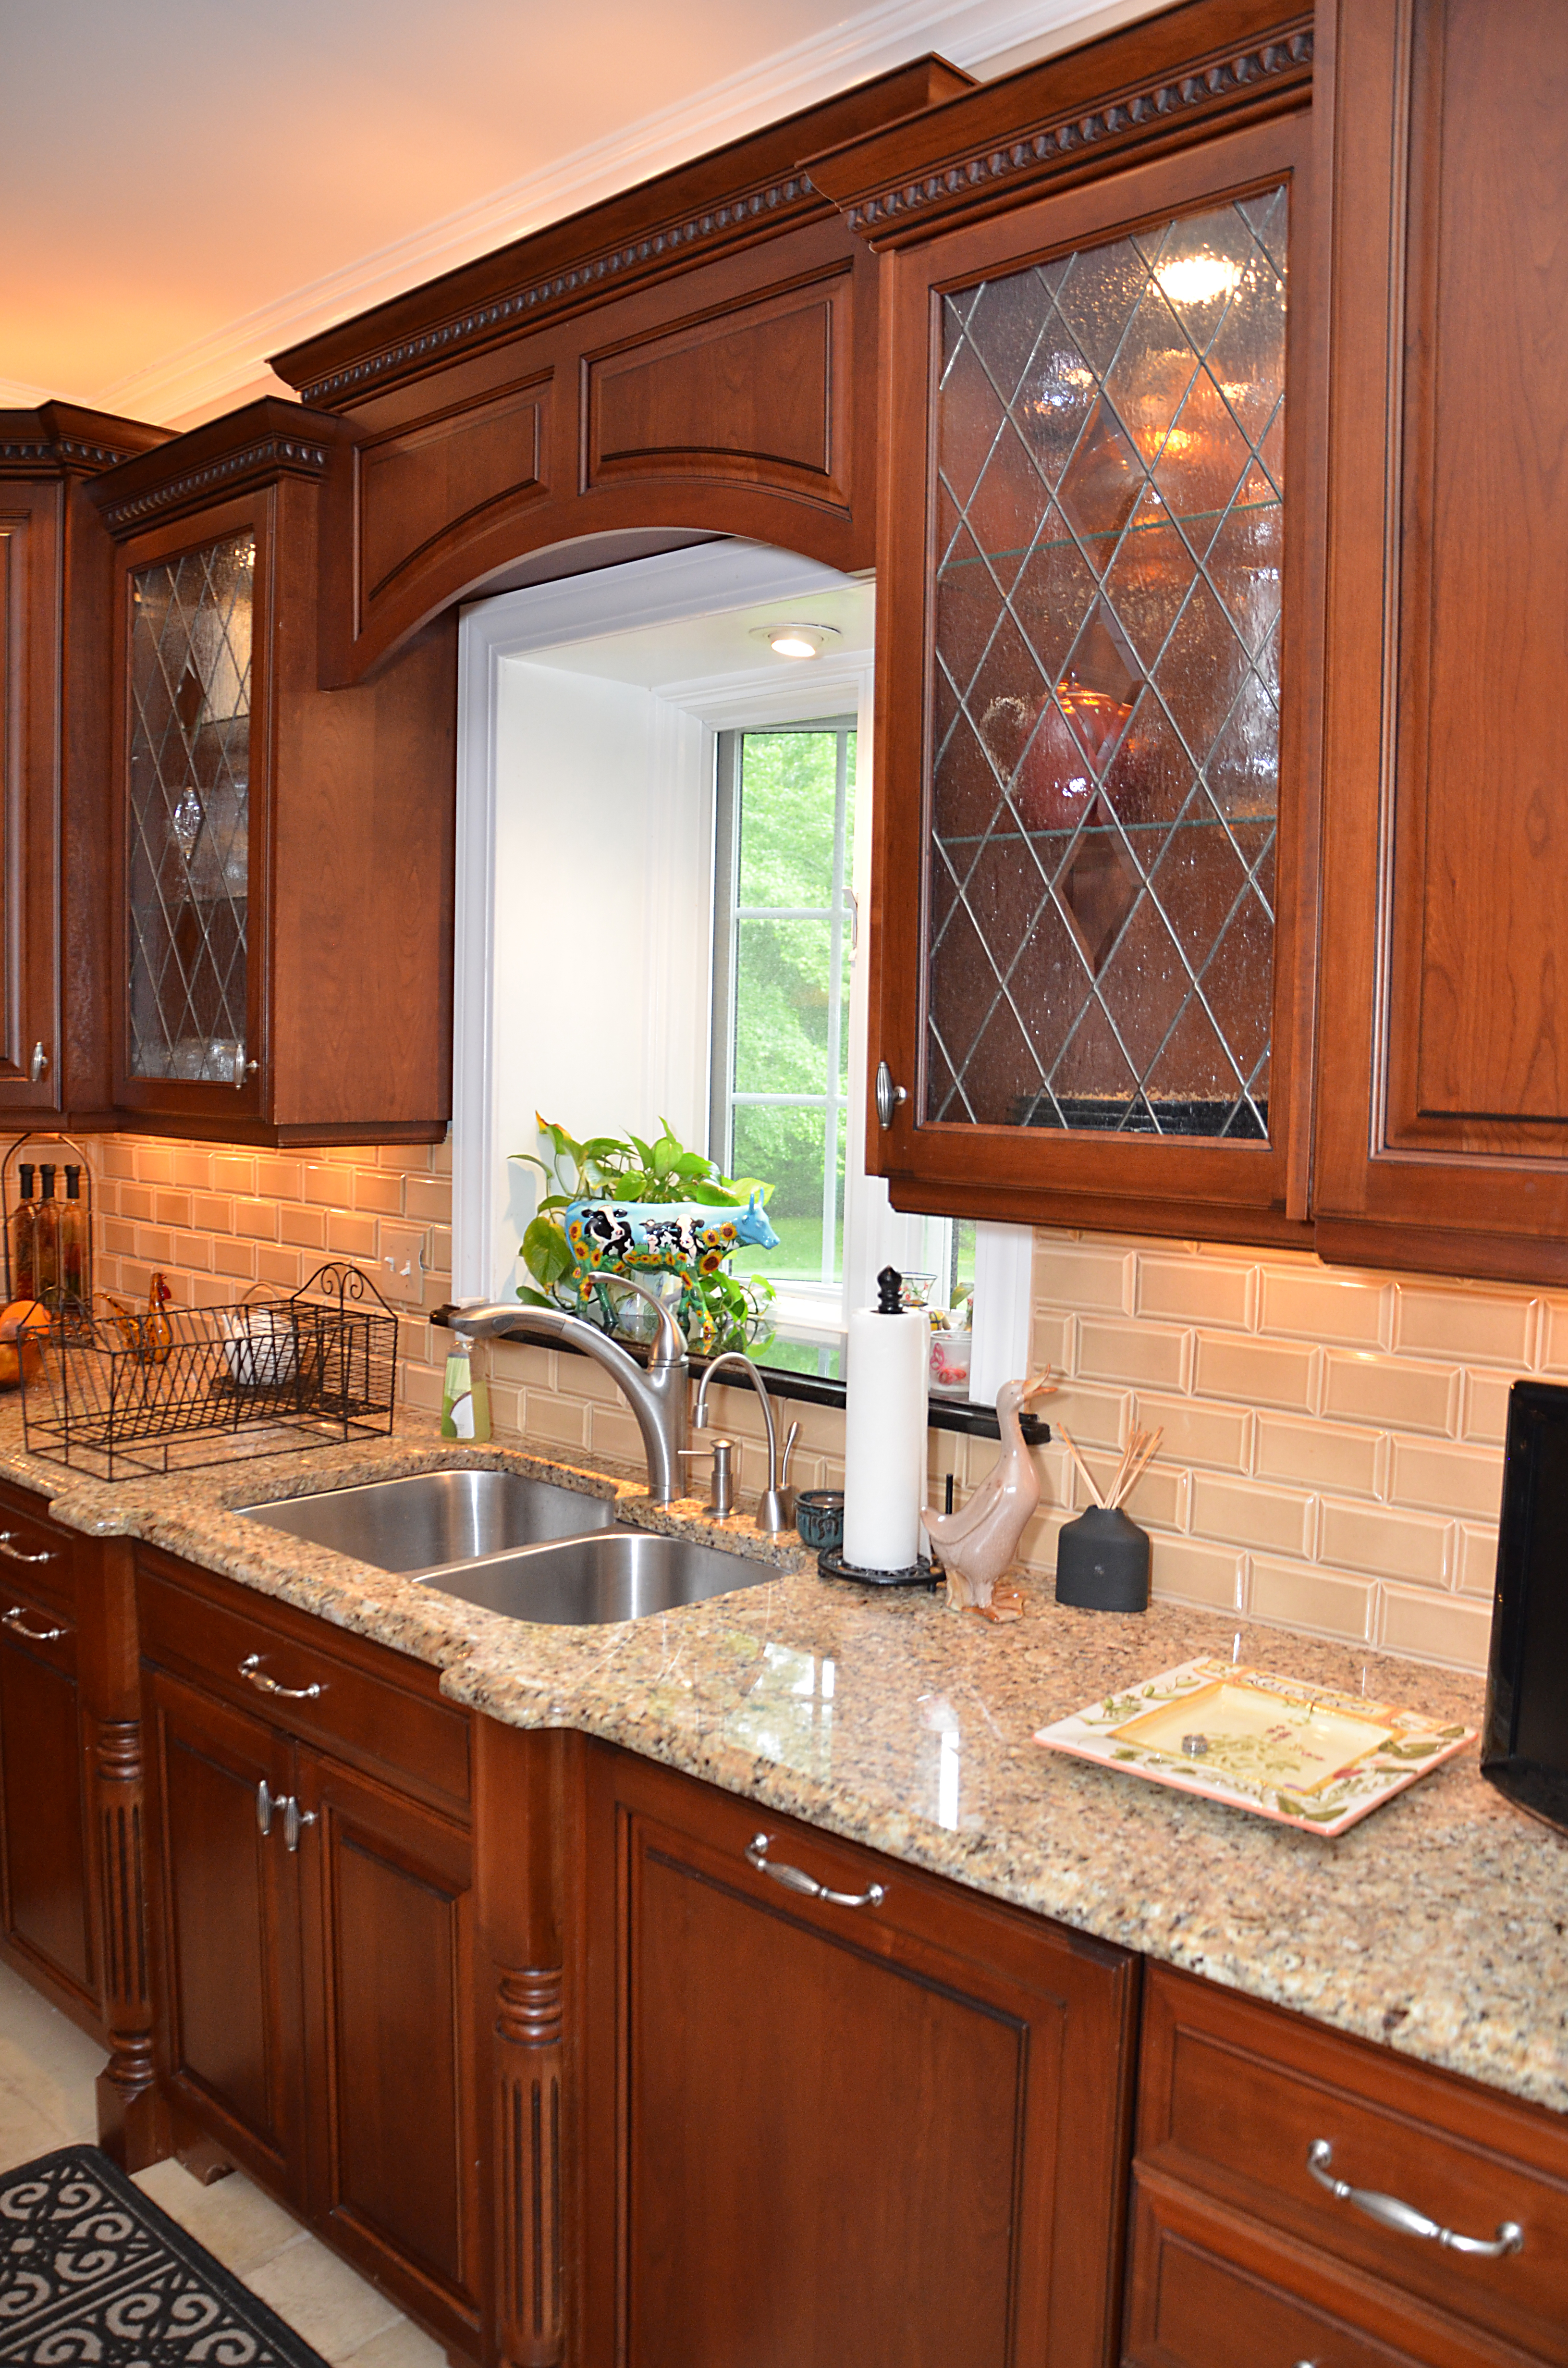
(978, 1542)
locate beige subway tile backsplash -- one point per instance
(1317, 1454)
(1258, 1372)
(1434, 1627)
(1471, 1323)
(1290, 1595)
(1322, 1306)
(1278, 1518)
(1451, 1479)
(1340, 1431)
(1331, 1458)
(1400, 1394)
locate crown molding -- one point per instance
(266, 456)
(232, 359)
(883, 210)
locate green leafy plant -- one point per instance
(624, 1167)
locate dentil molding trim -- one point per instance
(1288, 51)
(198, 378)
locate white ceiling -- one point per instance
(190, 185)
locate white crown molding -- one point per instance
(231, 359)
(16, 395)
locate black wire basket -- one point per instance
(124, 1397)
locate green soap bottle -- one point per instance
(465, 1402)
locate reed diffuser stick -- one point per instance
(1139, 1454)
(1083, 1471)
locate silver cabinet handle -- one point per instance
(888, 1096)
(1391, 2213)
(265, 1802)
(16, 1619)
(795, 1878)
(295, 1820)
(14, 1554)
(243, 1068)
(39, 1062)
(251, 1670)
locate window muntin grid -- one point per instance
(1102, 819)
(189, 812)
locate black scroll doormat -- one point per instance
(93, 2272)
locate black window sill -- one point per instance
(812, 1389)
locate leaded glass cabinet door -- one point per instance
(190, 821)
(1105, 832)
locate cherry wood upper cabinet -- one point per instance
(1443, 1103)
(56, 578)
(696, 357)
(282, 855)
(1092, 932)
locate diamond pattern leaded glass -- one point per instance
(1109, 509)
(190, 811)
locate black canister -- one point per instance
(1102, 1562)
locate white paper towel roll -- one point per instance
(884, 1438)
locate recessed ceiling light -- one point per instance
(794, 640)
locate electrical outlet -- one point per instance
(401, 1273)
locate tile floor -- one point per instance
(47, 2071)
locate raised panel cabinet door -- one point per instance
(386, 1910)
(1093, 943)
(1443, 1103)
(227, 1924)
(888, 2133)
(46, 1854)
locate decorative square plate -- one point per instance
(1298, 1754)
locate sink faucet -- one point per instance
(657, 1396)
(776, 1509)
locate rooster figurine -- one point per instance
(978, 1542)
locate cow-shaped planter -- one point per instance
(685, 1237)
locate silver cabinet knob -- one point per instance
(295, 1820)
(39, 1062)
(888, 1096)
(267, 1800)
(243, 1068)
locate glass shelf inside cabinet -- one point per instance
(1108, 517)
(189, 836)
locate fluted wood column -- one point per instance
(524, 1813)
(133, 2123)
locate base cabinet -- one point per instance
(45, 1835)
(1231, 2229)
(312, 1925)
(886, 2124)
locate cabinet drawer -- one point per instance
(37, 1564)
(1209, 2289)
(371, 1706)
(1235, 2095)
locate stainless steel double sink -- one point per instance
(523, 1547)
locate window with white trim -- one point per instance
(785, 998)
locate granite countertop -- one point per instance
(1438, 1927)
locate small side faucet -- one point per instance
(776, 1509)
